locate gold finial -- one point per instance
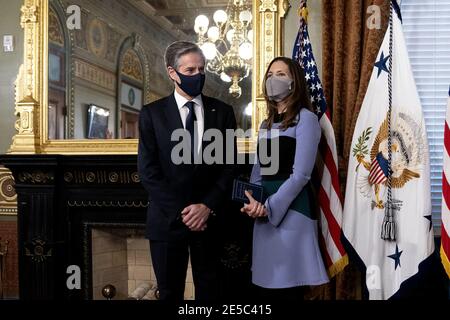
(303, 13)
(109, 292)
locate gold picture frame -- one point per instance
(32, 86)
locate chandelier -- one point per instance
(227, 45)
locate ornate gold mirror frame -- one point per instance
(32, 85)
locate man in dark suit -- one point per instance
(184, 198)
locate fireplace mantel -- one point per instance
(61, 198)
(57, 196)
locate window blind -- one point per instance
(426, 25)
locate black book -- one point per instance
(239, 188)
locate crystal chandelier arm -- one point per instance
(215, 68)
(215, 65)
(224, 43)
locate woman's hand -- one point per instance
(254, 209)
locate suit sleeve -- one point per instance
(149, 167)
(308, 134)
(219, 192)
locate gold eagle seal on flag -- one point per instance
(407, 148)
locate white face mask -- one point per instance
(278, 88)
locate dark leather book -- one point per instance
(255, 190)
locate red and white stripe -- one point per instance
(325, 177)
(445, 232)
(376, 175)
(330, 201)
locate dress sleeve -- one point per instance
(256, 170)
(256, 173)
(307, 133)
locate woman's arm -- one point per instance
(308, 134)
(256, 170)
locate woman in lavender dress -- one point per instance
(286, 255)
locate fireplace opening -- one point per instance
(121, 258)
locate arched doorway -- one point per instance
(132, 87)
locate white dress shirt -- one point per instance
(184, 111)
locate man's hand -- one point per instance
(254, 209)
(195, 216)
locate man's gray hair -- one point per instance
(178, 49)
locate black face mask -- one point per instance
(192, 85)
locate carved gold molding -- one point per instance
(29, 80)
(32, 83)
(269, 22)
(8, 196)
(131, 66)
(94, 74)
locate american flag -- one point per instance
(445, 232)
(325, 176)
(378, 170)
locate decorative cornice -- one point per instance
(101, 177)
(36, 177)
(268, 5)
(8, 212)
(8, 196)
(107, 204)
(29, 14)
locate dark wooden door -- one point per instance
(129, 125)
(56, 114)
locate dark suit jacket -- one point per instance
(173, 187)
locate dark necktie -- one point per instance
(190, 124)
